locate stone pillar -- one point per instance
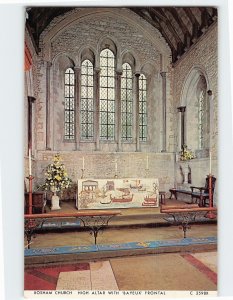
(97, 108)
(182, 110)
(48, 116)
(118, 108)
(30, 101)
(164, 101)
(137, 112)
(185, 171)
(77, 82)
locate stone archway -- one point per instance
(195, 99)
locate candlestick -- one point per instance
(82, 176)
(30, 178)
(210, 214)
(210, 163)
(30, 163)
(83, 163)
(147, 162)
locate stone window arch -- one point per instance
(203, 114)
(87, 100)
(69, 105)
(142, 108)
(197, 118)
(126, 102)
(107, 95)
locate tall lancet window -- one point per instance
(87, 101)
(69, 105)
(107, 95)
(201, 102)
(126, 102)
(142, 108)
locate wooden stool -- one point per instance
(162, 197)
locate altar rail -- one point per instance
(94, 220)
(185, 214)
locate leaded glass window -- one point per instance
(107, 95)
(200, 119)
(126, 102)
(142, 108)
(69, 105)
(87, 101)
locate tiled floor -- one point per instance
(149, 272)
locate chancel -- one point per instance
(121, 131)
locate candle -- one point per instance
(116, 167)
(147, 162)
(210, 161)
(83, 163)
(30, 163)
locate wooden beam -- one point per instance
(195, 24)
(179, 20)
(146, 17)
(158, 14)
(171, 28)
(194, 209)
(191, 16)
(84, 213)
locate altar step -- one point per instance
(41, 256)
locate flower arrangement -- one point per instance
(56, 176)
(186, 154)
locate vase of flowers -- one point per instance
(186, 154)
(56, 179)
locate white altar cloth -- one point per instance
(117, 193)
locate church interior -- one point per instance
(121, 148)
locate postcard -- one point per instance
(121, 151)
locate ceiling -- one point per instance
(180, 26)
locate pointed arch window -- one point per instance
(87, 101)
(107, 95)
(142, 108)
(69, 132)
(126, 102)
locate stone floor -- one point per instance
(169, 272)
(166, 271)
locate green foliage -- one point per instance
(186, 154)
(56, 177)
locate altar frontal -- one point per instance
(117, 193)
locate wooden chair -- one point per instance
(203, 192)
(38, 203)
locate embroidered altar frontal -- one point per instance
(117, 193)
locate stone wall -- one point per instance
(202, 56)
(31, 89)
(102, 165)
(84, 29)
(61, 46)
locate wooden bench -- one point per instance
(94, 220)
(174, 192)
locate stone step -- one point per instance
(36, 257)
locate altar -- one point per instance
(117, 193)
